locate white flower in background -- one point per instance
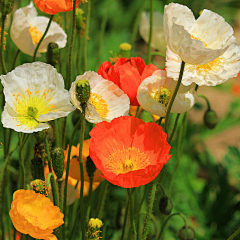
(155, 92)
(158, 38)
(34, 94)
(27, 29)
(107, 101)
(198, 41)
(210, 74)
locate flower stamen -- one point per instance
(100, 104)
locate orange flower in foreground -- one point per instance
(129, 152)
(55, 6)
(34, 214)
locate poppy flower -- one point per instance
(127, 74)
(129, 152)
(27, 29)
(34, 94)
(196, 42)
(107, 101)
(155, 92)
(34, 214)
(55, 6)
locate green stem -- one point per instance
(86, 36)
(4, 69)
(165, 223)
(150, 33)
(101, 200)
(60, 181)
(57, 133)
(51, 178)
(158, 54)
(125, 221)
(15, 58)
(89, 199)
(149, 210)
(174, 128)
(159, 121)
(71, 46)
(140, 205)
(234, 234)
(137, 111)
(132, 218)
(174, 96)
(208, 103)
(43, 36)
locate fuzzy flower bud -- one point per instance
(82, 91)
(37, 168)
(165, 205)
(53, 54)
(125, 50)
(186, 233)
(94, 226)
(40, 136)
(91, 168)
(210, 119)
(40, 186)
(57, 161)
(6, 6)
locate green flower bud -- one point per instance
(6, 6)
(186, 233)
(53, 54)
(40, 186)
(37, 168)
(40, 136)
(125, 50)
(94, 226)
(165, 205)
(91, 168)
(82, 91)
(57, 161)
(210, 119)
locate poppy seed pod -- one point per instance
(186, 233)
(57, 161)
(37, 168)
(82, 91)
(41, 187)
(165, 205)
(6, 6)
(210, 119)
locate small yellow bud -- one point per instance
(95, 223)
(82, 91)
(125, 50)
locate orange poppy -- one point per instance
(129, 152)
(55, 6)
(34, 214)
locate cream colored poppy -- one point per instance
(107, 101)
(34, 94)
(155, 92)
(196, 42)
(28, 28)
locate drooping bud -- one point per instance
(6, 7)
(91, 168)
(40, 186)
(210, 119)
(165, 205)
(58, 161)
(37, 169)
(53, 54)
(125, 50)
(82, 91)
(186, 233)
(93, 232)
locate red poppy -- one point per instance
(129, 152)
(127, 74)
(55, 6)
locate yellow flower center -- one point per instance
(126, 160)
(30, 106)
(161, 95)
(100, 104)
(35, 34)
(208, 66)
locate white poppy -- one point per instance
(27, 29)
(210, 74)
(34, 94)
(155, 92)
(196, 42)
(158, 38)
(107, 101)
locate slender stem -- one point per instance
(101, 199)
(149, 210)
(196, 88)
(71, 46)
(165, 223)
(86, 36)
(57, 133)
(150, 33)
(138, 107)
(158, 54)
(4, 69)
(159, 121)
(140, 205)
(15, 58)
(132, 218)
(174, 96)
(60, 181)
(89, 199)
(43, 36)
(125, 220)
(51, 178)
(208, 103)
(234, 234)
(174, 128)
